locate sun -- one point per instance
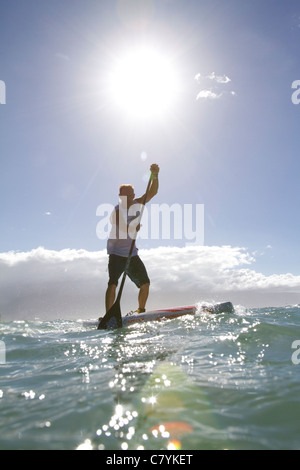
(144, 83)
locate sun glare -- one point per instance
(144, 84)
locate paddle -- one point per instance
(113, 318)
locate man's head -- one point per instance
(128, 191)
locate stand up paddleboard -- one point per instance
(170, 313)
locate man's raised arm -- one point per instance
(153, 190)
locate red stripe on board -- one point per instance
(175, 309)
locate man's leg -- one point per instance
(110, 296)
(116, 266)
(143, 295)
(138, 274)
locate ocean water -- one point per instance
(203, 382)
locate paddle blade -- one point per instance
(112, 319)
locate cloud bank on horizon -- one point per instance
(71, 284)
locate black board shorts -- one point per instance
(136, 270)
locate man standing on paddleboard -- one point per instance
(124, 220)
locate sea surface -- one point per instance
(203, 382)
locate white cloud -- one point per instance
(220, 81)
(212, 76)
(208, 94)
(71, 283)
(219, 78)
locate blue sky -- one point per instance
(65, 147)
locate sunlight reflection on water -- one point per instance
(189, 383)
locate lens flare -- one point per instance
(174, 444)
